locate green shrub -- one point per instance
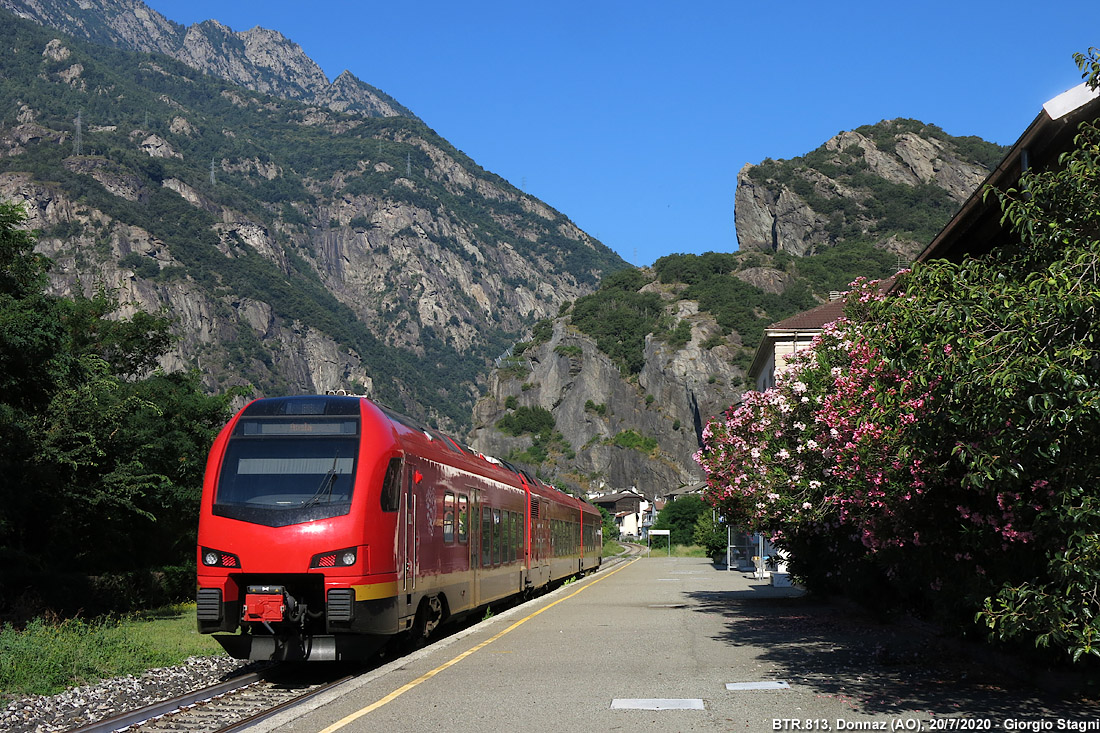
(536, 420)
(633, 440)
(45, 657)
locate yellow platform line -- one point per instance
(428, 675)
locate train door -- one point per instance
(474, 545)
(408, 538)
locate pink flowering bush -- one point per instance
(938, 449)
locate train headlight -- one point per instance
(335, 559)
(218, 559)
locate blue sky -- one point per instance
(633, 118)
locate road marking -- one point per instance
(657, 704)
(428, 675)
(774, 685)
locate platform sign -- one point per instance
(662, 532)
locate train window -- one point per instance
(514, 549)
(486, 537)
(496, 536)
(391, 487)
(510, 549)
(448, 517)
(508, 546)
(462, 518)
(277, 472)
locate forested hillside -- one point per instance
(295, 248)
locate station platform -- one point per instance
(668, 644)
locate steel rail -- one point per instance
(141, 715)
(271, 712)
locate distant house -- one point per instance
(976, 228)
(630, 510)
(787, 337)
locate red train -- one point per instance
(330, 524)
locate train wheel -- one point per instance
(428, 616)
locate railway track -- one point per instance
(632, 549)
(230, 705)
(251, 697)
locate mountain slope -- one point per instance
(298, 248)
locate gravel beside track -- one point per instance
(79, 706)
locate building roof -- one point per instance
(813, 319)
(696, 488)
(613, 498)
(976, 228)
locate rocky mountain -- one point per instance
(298, 248)
(860, 205)
(308, 235)
(258, 59)
(894, 184)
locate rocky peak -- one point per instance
(849, 189)
(259, 59)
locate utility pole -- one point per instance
(78, 140)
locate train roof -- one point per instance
(345, 404)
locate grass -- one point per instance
(679, 551)
(47, 657)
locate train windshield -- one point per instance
(287, 470)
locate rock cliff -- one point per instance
(663, 408)
(894, 184)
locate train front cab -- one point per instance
(310, 577)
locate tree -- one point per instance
(940, 447)
(679, 517)
(102, 459)
(610, 528)
(711, 534)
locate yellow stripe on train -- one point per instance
(374, 591)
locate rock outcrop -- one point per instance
(837, 192)
(666, 405)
